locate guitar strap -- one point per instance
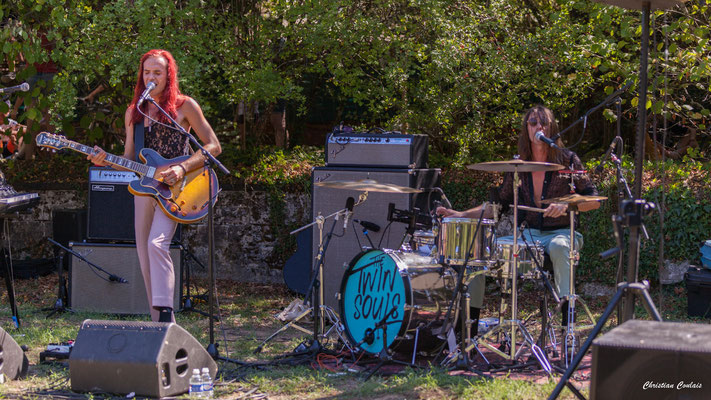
(138, 138)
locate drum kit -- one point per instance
(408, 299)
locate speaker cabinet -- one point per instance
(152, 359)
(652, 360)
(68, 226)
(13, 362)
(89, 291)
(110, 205)
(325, 201)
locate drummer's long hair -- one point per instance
(524, 143)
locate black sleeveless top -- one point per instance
(168, 142)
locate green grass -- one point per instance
(247, 314)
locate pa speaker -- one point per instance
(153, 359)
(90, 291)
(13, 362)
(652, 360)
(342, 249)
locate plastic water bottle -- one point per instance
(196, 385)
(207, 387)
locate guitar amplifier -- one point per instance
(110, 206)
(387, 150)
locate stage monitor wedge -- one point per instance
(153, 359)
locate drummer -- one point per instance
(550, 228)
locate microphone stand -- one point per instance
(584, 118)
(112, 277)
(210, 161)
(62, 297)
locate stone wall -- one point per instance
(244, 238)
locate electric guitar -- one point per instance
(184, 202)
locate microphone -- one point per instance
(114, 278)
(349, 210)
(550, 142)
(371, 226)
(598, 169)
(523, 226)
(24, 87)
(149, 87)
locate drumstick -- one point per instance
(527, 208)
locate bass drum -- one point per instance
(403, 294)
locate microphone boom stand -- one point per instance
(210, 160)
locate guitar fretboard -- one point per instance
(134, 166)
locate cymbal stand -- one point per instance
(569, 341)
(461, 291)
(514, 324)
(318, 309)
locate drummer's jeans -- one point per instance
(556, 244)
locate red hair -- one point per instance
(171, 98)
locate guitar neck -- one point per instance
(139, 168)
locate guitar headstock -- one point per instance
(51, 140)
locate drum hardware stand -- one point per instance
(461, 355)
(383, 355)
(318, 310)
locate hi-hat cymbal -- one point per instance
(573, 199)
(515, 165)
(368, 185)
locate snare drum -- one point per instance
(456, 235)
(526, 266)
(406, 291)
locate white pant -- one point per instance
(154, 232)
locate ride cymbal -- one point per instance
(515, 165)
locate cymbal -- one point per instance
(368, 185)
(515, 165)
(573, 199)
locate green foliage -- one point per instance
(687, 206)
(460, 72)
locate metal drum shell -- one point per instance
(526, 266)
(427, 287)
(455, 237)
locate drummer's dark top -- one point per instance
(555, 184)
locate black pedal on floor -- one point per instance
(56, 352)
